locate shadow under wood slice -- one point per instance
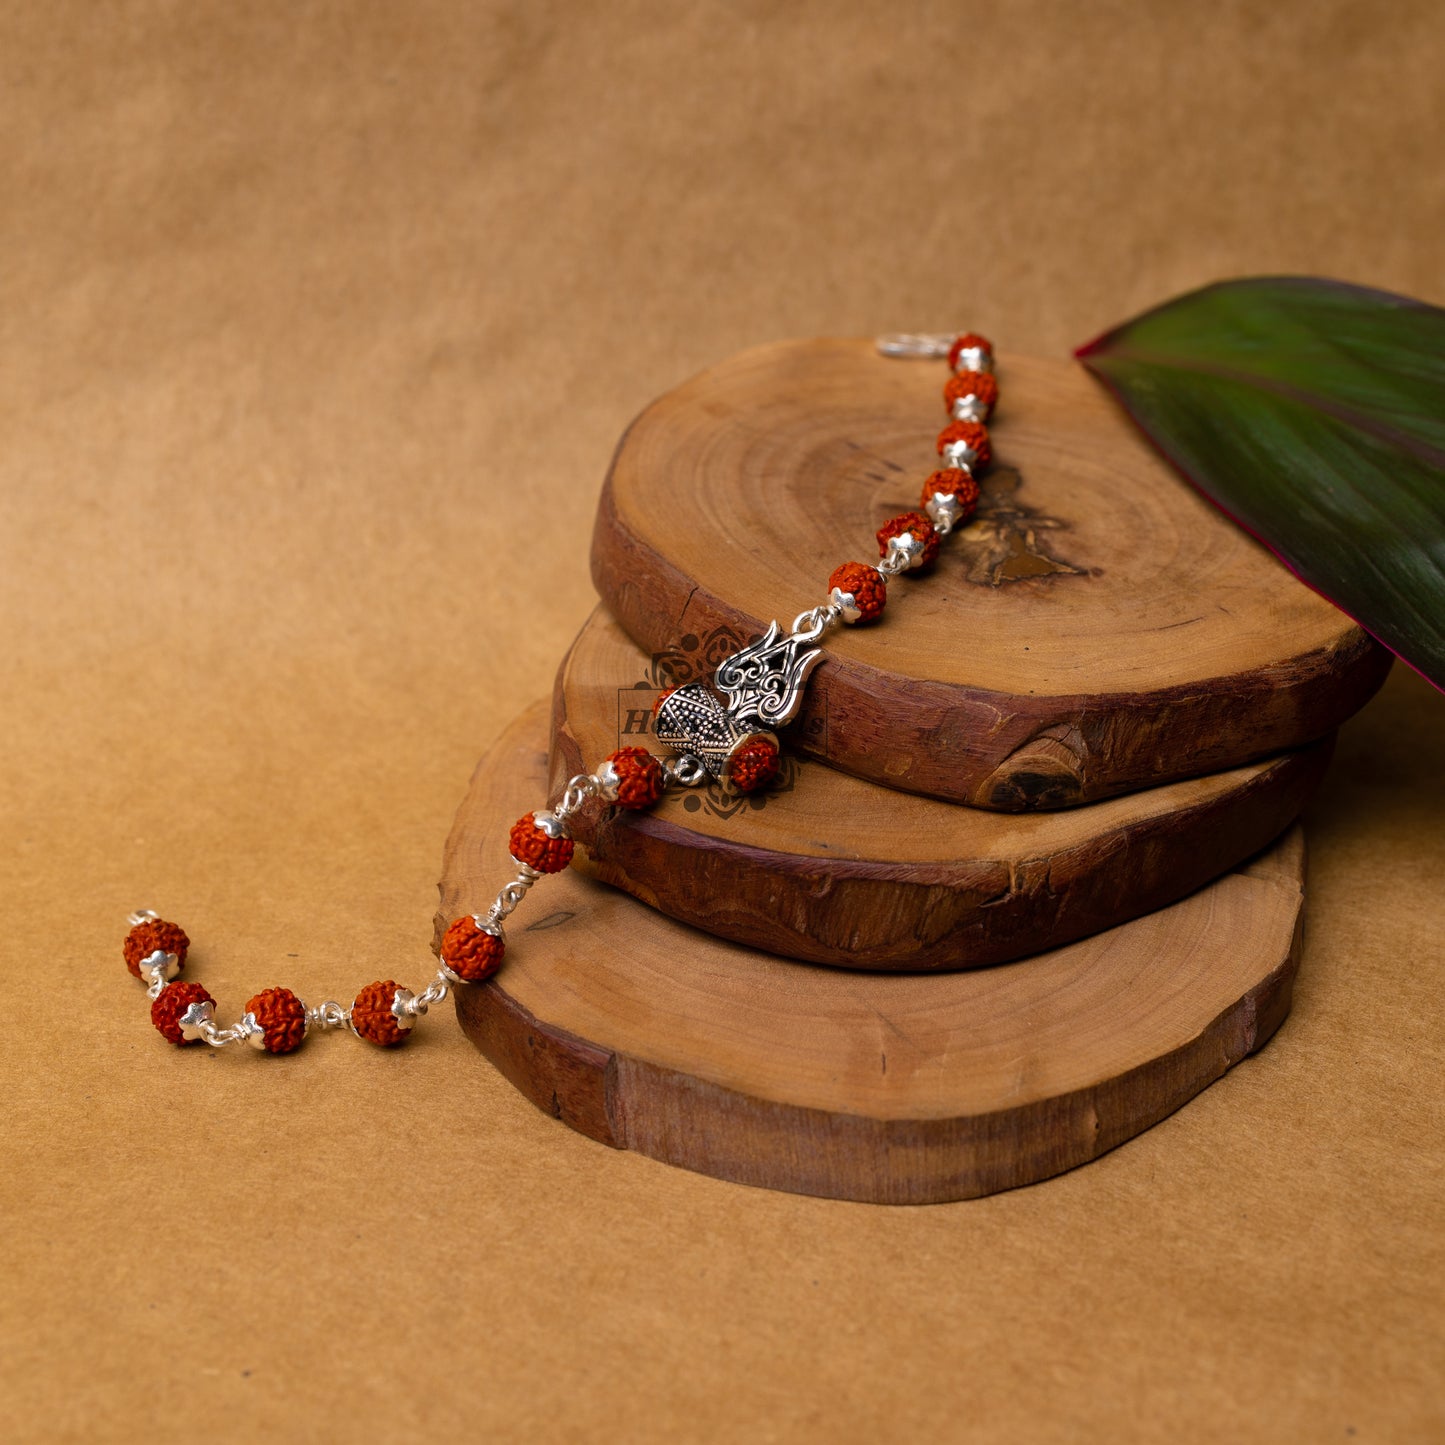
(831, 869)
(902, 1088)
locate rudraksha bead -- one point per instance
(973, 435)
(472, 952)
(969, 341)
(915, 523)
(170, 1004)
(661, 698)
(533, 844)
(372, 1018)
(753, 765)
(864, 585)
(157, 936)
(971, 383)
(282, 1017)
(633, 778)
(952, 482)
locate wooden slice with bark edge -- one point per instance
(831, 869)
(890, 1088)
(1098, 628)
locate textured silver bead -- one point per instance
(970, 408)
(691, 720)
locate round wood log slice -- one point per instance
(1097, 628)
(835, 870)
(895, 1088)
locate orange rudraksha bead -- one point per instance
(920, 528)
(960, 438)
(156, 936)
(372, 1018)
(470, 951)
(977, 384)
(860, 590)
(969, 341)
(632, 778)
(540, 841)
(282, 1017)
(170, 1005)
(753, 764)
(952, 482)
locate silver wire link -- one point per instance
(687, 770)
(239, 1033)
(924, 345)
(513, 893)
(142, 915)
(809, 626)
(434, 992)
(328, 1015)
(577, 792)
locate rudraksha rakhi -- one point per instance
(730, 742)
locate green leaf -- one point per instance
(1312, 412)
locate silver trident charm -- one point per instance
(764, 681)
(763, 684)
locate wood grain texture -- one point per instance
(832, 869)
(906, 1089)
(1097, 628)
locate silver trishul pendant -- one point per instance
(764, 681)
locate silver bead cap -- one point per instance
(250, 1026)
(905, 552)
(973, 358)
(403, 1008)
(943, 509)
(970, 408)
(959, 454)
(847, 605)
(193, 1023)
(550, 824)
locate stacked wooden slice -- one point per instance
(1072, 751)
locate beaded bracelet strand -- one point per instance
(732, 742)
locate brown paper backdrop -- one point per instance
(317, 326)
